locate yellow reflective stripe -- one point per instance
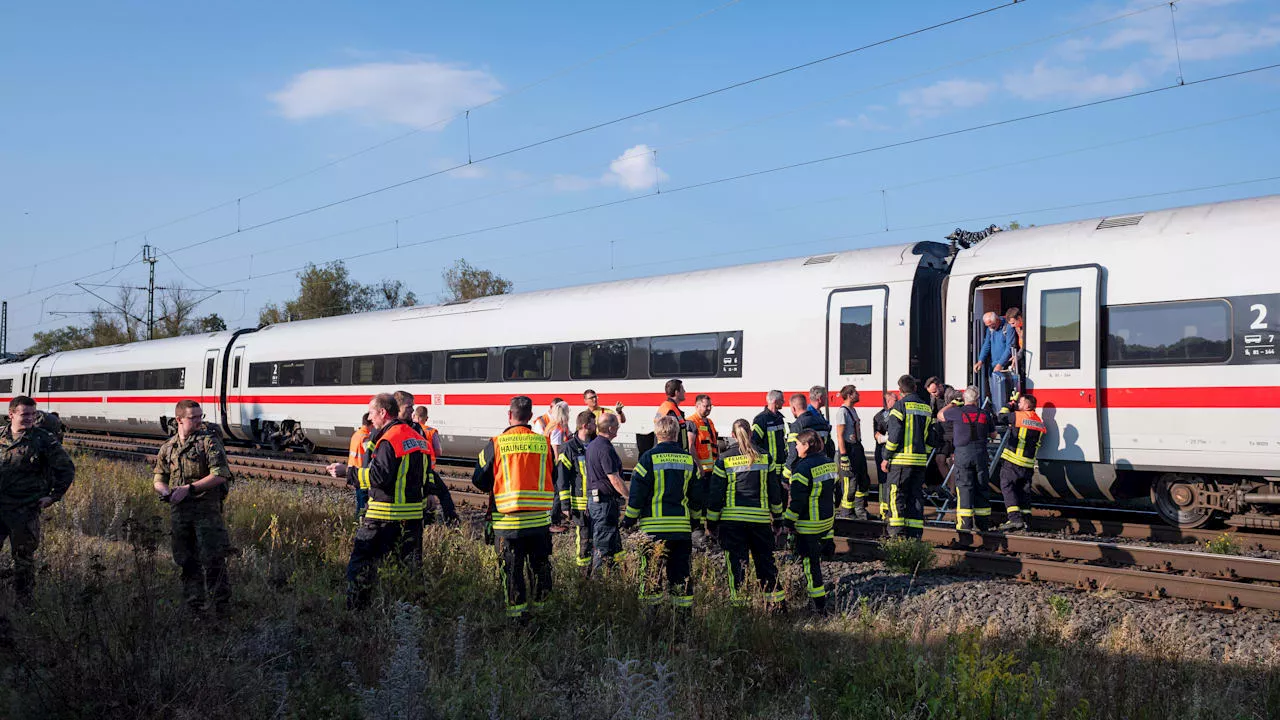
(378, 510)
(521, 520)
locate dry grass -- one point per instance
(108, 638)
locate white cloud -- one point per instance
(572, 183)
(416, 93)
(862, 121)
(1046, 81)
(944, 95)
(635, 169)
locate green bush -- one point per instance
(1224, 544)
(908, 555)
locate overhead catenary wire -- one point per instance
(403, 136)
(782, 168)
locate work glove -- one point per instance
(628, 522)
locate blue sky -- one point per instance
(121, 117)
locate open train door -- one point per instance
(1062, 359)
(856, 326)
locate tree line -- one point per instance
(323, 291)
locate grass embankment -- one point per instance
(108, 637)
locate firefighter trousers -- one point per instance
(808, 550)
(583, 530)
(906, 500)
(606, 537)
(1015, 483)
(516, 555)
(970, 474)
(669, 554)
(375, 540)
(743, 541)
(855, 481)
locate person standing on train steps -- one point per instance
(191, 475)
(997, 348)
(593, 404)
(744, 504)
(35, 472)
(906, 455)
(543, 423)
(437, 493)
(606, 494)
(395, 470)
(421, 416)
(769, 428)
(811, 513)
(1018, 463)
(517, 469)
(855, 481)
(705, 444)
(671, 407)
(571, 487)
(971, 428)
(665, 498)
(356, 451)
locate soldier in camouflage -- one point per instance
(191, 475)
(35, 473)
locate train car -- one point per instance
(1151, 346)
(129, 388)
(860, 317)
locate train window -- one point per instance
(527, 363)
(599, 360)
(99, 381)
(150, 379)
(6, 385)
(116, 382)
(1060, 329)
(293, 374)
(44, 384)
(133, 380)
(235, 374)
(413, 368)
(262, 374)
(1176, 333)
(855, 340)
(683, 355)
(173, 379)
(328, 371)
(367, 370)
(208, 374)
(467, 366)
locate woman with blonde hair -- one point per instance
(744, 505)
(557, 428)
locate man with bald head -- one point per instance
(997, 348)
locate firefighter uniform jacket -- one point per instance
(668, 407)
(910, 432)
(395, 471)
(1022, 448)
(663, 495)
(810, 419)
(571, 474)
(707, 448)
(769, 433)
(813, 496)
(745, 490)
(518, 469)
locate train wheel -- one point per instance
(1174, 496)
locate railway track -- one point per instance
(1223, 580)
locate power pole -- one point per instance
(4, 327)
(149, 256)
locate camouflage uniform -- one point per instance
(51, 422)
(200, 539)
(31, 467)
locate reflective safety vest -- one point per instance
(706, 448)
(1022, 450)
(769, 433)
(661, 489)
(812, 507)
(403, 499)
(670, 408)
(545, 419)
(572, 466)
(910, 428)
(523, 480)
(429, 434)
(356, 452)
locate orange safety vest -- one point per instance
(429, 434)
(706, 449)
(667, 408)
(1031, 430)
(405, 501)
(523, 468)
(545, 419)
(355, 453)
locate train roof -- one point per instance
(178, 349)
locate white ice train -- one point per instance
(1150, 338)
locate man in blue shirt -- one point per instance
(997, 351)
(606, 493)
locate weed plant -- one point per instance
(108, 637)
(1224, 544)
(908, 555)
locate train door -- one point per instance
(235, 420)
(209, 399)
(856, 326)
(1062, 363)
